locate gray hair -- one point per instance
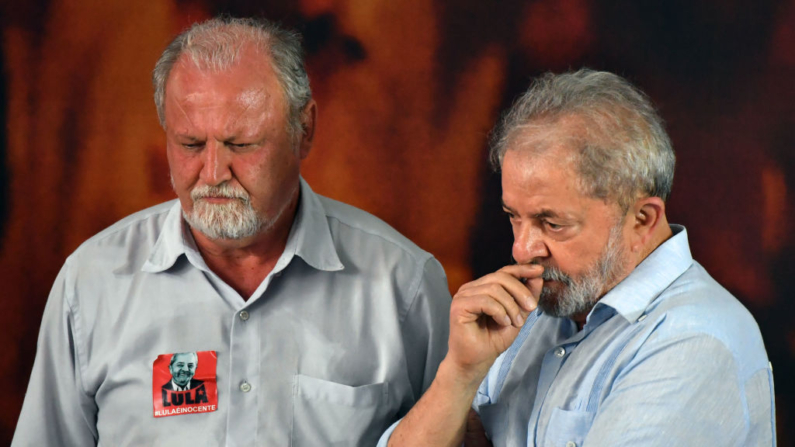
(622, 150)
(215, 45)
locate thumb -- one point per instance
(535, 285)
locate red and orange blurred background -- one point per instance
(408, 92)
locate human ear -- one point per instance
(308, 117)
(648, 216)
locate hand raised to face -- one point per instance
(487, 314)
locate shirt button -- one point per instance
(560, 352)
(244, 315)
(571, 444)
(245, 387)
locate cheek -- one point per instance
(266, 172)
(567, 257)
(183, 170)
(576, 260)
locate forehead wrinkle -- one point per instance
(536, 183)
(250, 99)
(183, 112)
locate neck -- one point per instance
(658, 235)
(244, 263)
(579, 320)
(661, 233)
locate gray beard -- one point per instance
(234, 220)
(579, 294)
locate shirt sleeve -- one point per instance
(425, 332)
(426, 327)
(689, 390)
(56, 410)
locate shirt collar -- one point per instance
(632, 296)
(180, 388)
(310, 238)
(170, 244)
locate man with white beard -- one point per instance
(309, 322)
(605, 332)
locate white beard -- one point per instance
(235, 219)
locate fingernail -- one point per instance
(506, 320)
(528, 302)
(519, 320)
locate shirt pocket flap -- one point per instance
(311, 388)
(328, 413)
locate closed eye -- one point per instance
(553, 226)
(240, 147)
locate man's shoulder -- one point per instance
(347, 222)
(137, 232)
(696, 294)
(695, 304)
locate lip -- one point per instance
(217, 199)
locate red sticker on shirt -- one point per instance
(184, 383)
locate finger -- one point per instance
(515, 287)
(508, 274)
(523, 270)
(527, 274)
(535, 285)
(473, 307)
(523, 295)
(496, 292)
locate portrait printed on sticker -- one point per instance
(184, 383)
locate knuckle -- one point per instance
(465, 286)
(494, 289)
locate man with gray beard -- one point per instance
(303, 321)
(605, 332)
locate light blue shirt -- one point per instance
(338, 341)
(667, 358)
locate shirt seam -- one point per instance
(80, 352)
(416, 286)
(107, 232)
(421, 257)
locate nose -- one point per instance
(217, 166)
(528, 244)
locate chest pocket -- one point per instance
(568, 428)
(328, 413)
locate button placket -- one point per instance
(244, 374)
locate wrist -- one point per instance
(465, 378)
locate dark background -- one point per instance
(408, 92)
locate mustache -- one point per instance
(224, 190)
(552, 273)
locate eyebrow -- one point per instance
(545, 213)
(187, 136)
